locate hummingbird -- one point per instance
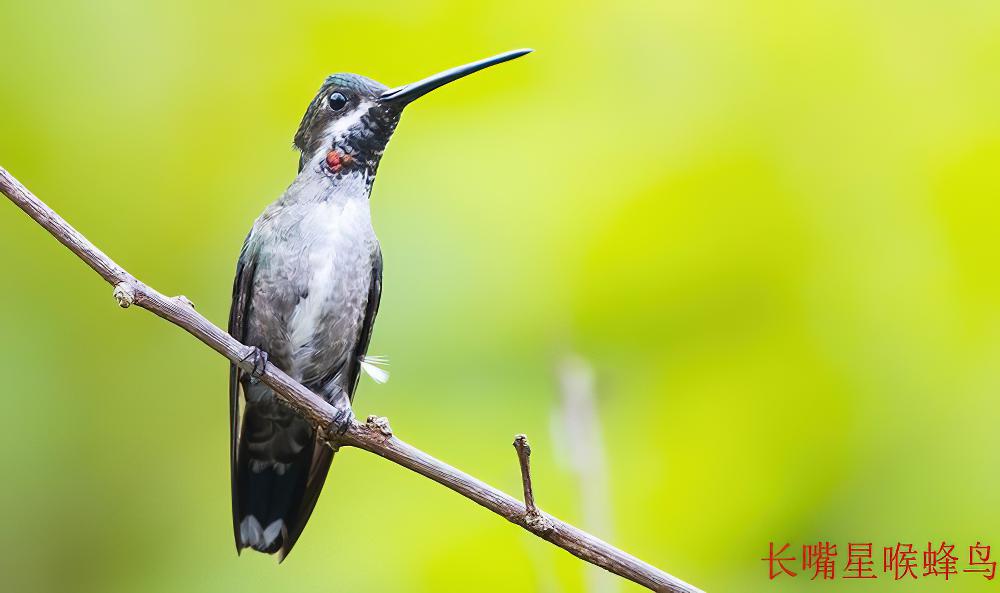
(306, 293)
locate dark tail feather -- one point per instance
(270, 502)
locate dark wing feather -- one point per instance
(245, 269)
(365, 337)
(322, 455)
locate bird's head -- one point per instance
(349, 122)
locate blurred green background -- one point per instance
(769, 228)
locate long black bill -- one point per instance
(404, 94)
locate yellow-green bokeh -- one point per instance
(771, 227)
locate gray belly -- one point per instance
(310, 294)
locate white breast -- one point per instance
(338, 267)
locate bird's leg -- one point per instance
(341, 402)
(341, 422)
(254, 363)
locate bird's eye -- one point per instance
(337, 101)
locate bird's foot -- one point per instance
(337, 428)
(341, 422)
(254, 363)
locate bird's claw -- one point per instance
(341, 422)
(254, 363)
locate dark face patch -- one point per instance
(347, 124)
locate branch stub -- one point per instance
(125, 294)
(379, 424)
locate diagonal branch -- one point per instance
(335, 422)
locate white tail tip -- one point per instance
(257, 537)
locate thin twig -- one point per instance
(335, 422)
(533, 518)
(524, 458)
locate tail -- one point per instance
(272, 501)
(267, 501)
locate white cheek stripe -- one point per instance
(343, 124)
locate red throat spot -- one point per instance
(333, 160)
(336, 159)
